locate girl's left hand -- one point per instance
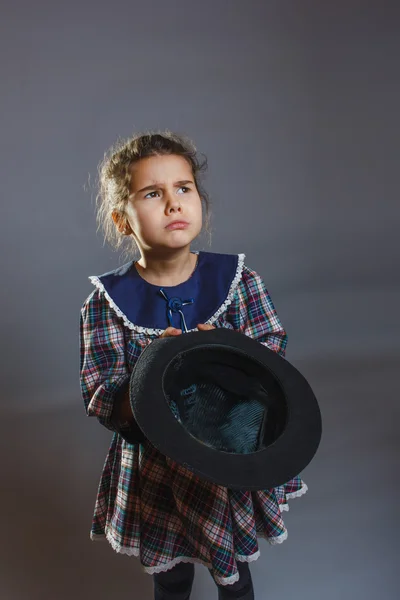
(205, 327)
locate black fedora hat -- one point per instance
(226, 407)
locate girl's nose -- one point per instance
(172, 201)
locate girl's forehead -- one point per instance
(156, 169)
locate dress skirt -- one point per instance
(153, 508)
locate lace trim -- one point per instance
(172, 563)
(251, 558)
(232, 290)
(299, 492)
(279, 539)
(148, 330)
(290, 495)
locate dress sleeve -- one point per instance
(253, 313)
(103, 369)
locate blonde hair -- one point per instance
(115, 178)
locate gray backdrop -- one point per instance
(296, 106)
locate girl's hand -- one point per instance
(171, 332)
(205, 327)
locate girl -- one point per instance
(147, 505)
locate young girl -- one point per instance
(147, 505)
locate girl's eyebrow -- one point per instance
(157, 185)
(184, 182)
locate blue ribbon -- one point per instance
(175, 305)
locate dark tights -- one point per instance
(176, 584)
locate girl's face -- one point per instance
(162, 191)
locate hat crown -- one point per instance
(224, 399)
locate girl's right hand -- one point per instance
(171, 332)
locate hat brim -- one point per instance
(265, 469)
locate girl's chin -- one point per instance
(178, 238)
(171, 244)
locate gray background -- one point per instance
(296, 106)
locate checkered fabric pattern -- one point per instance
(148, 505)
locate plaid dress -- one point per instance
(148, 505)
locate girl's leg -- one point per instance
(242, 589)
(175, 584)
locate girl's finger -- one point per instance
(171, 332)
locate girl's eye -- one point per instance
(151, 195)
(155, 194)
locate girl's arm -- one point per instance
(253, 313)
(103, 370)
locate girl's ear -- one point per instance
(121, 223)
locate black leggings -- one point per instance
(176, 584)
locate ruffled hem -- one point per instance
(149, 331)
(272, 540)
(172, 563)
(290, 495)
(297, 493)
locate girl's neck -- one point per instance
(167, 272)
